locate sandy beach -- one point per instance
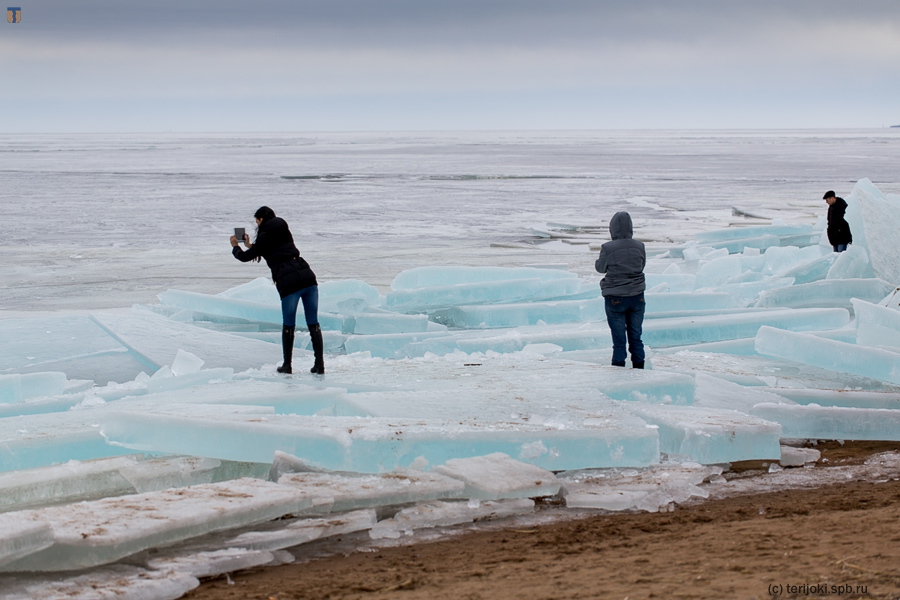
(836, 541)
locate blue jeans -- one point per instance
(840, 247)
(310, 297)
(625, 316)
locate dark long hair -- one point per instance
(265, 213)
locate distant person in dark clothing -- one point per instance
(293, 278)
(838, 229)
(623, 260)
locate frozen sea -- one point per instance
(146, 441)
(103, 221)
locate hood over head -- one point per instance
(620, 226)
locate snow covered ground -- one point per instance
(147, 439)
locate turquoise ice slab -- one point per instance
(660, 333)
(853, 263)
(683, 331)
(737, 245)
(744, 347)
(827, 292)
(37, 341)
(497, 476)
(518, 314)
(876, 325)
(37, 406)
(845, 398)
(832, 422)
(74, 345)
(674, 282)
(733, 233)
(574, 311)
(501, 398)
(876, 216)
(158, 340)
(586, 336)
(683, 301)
(260, 290)
(402, 345)
(815, 270)
(541, 389)
(834, 355)
(750, 290)
(424, 277)
(15, 387)
(712, 435)
(46, 439)
(490, 292)
(238, 308)
(374, 445)
(282, 397)
(333, 295)
(373, 323)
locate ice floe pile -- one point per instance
(156, 447)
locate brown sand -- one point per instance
(837, 541)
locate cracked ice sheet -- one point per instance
(216, 562)
(842, 357)
(40, 440)
(524, 385)
(832, 422)
(115, 581)
(302, 531)
(651, 489)
(68, 482)
(711, 435)
(443, 514)
(21, 538)
(90, 534)
(498, 476)
(765, 371)
(283, 396)
(350, 491)
(613, 437)
(262, 545)
(158, 339)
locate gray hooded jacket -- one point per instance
(622, 260)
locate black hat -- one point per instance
(828, 194)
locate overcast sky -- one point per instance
(324, 65)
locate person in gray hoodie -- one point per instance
(623, 260)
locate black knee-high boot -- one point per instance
(287, 347)
(315, 335)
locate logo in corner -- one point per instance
(14, 14)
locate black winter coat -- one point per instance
(275, 243)
(838, 228)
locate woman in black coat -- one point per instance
(293, 278)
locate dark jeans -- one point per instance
(840, 247)
(310, 297)
(625, 316)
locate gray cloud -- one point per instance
(677, 61)
(398, 22)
